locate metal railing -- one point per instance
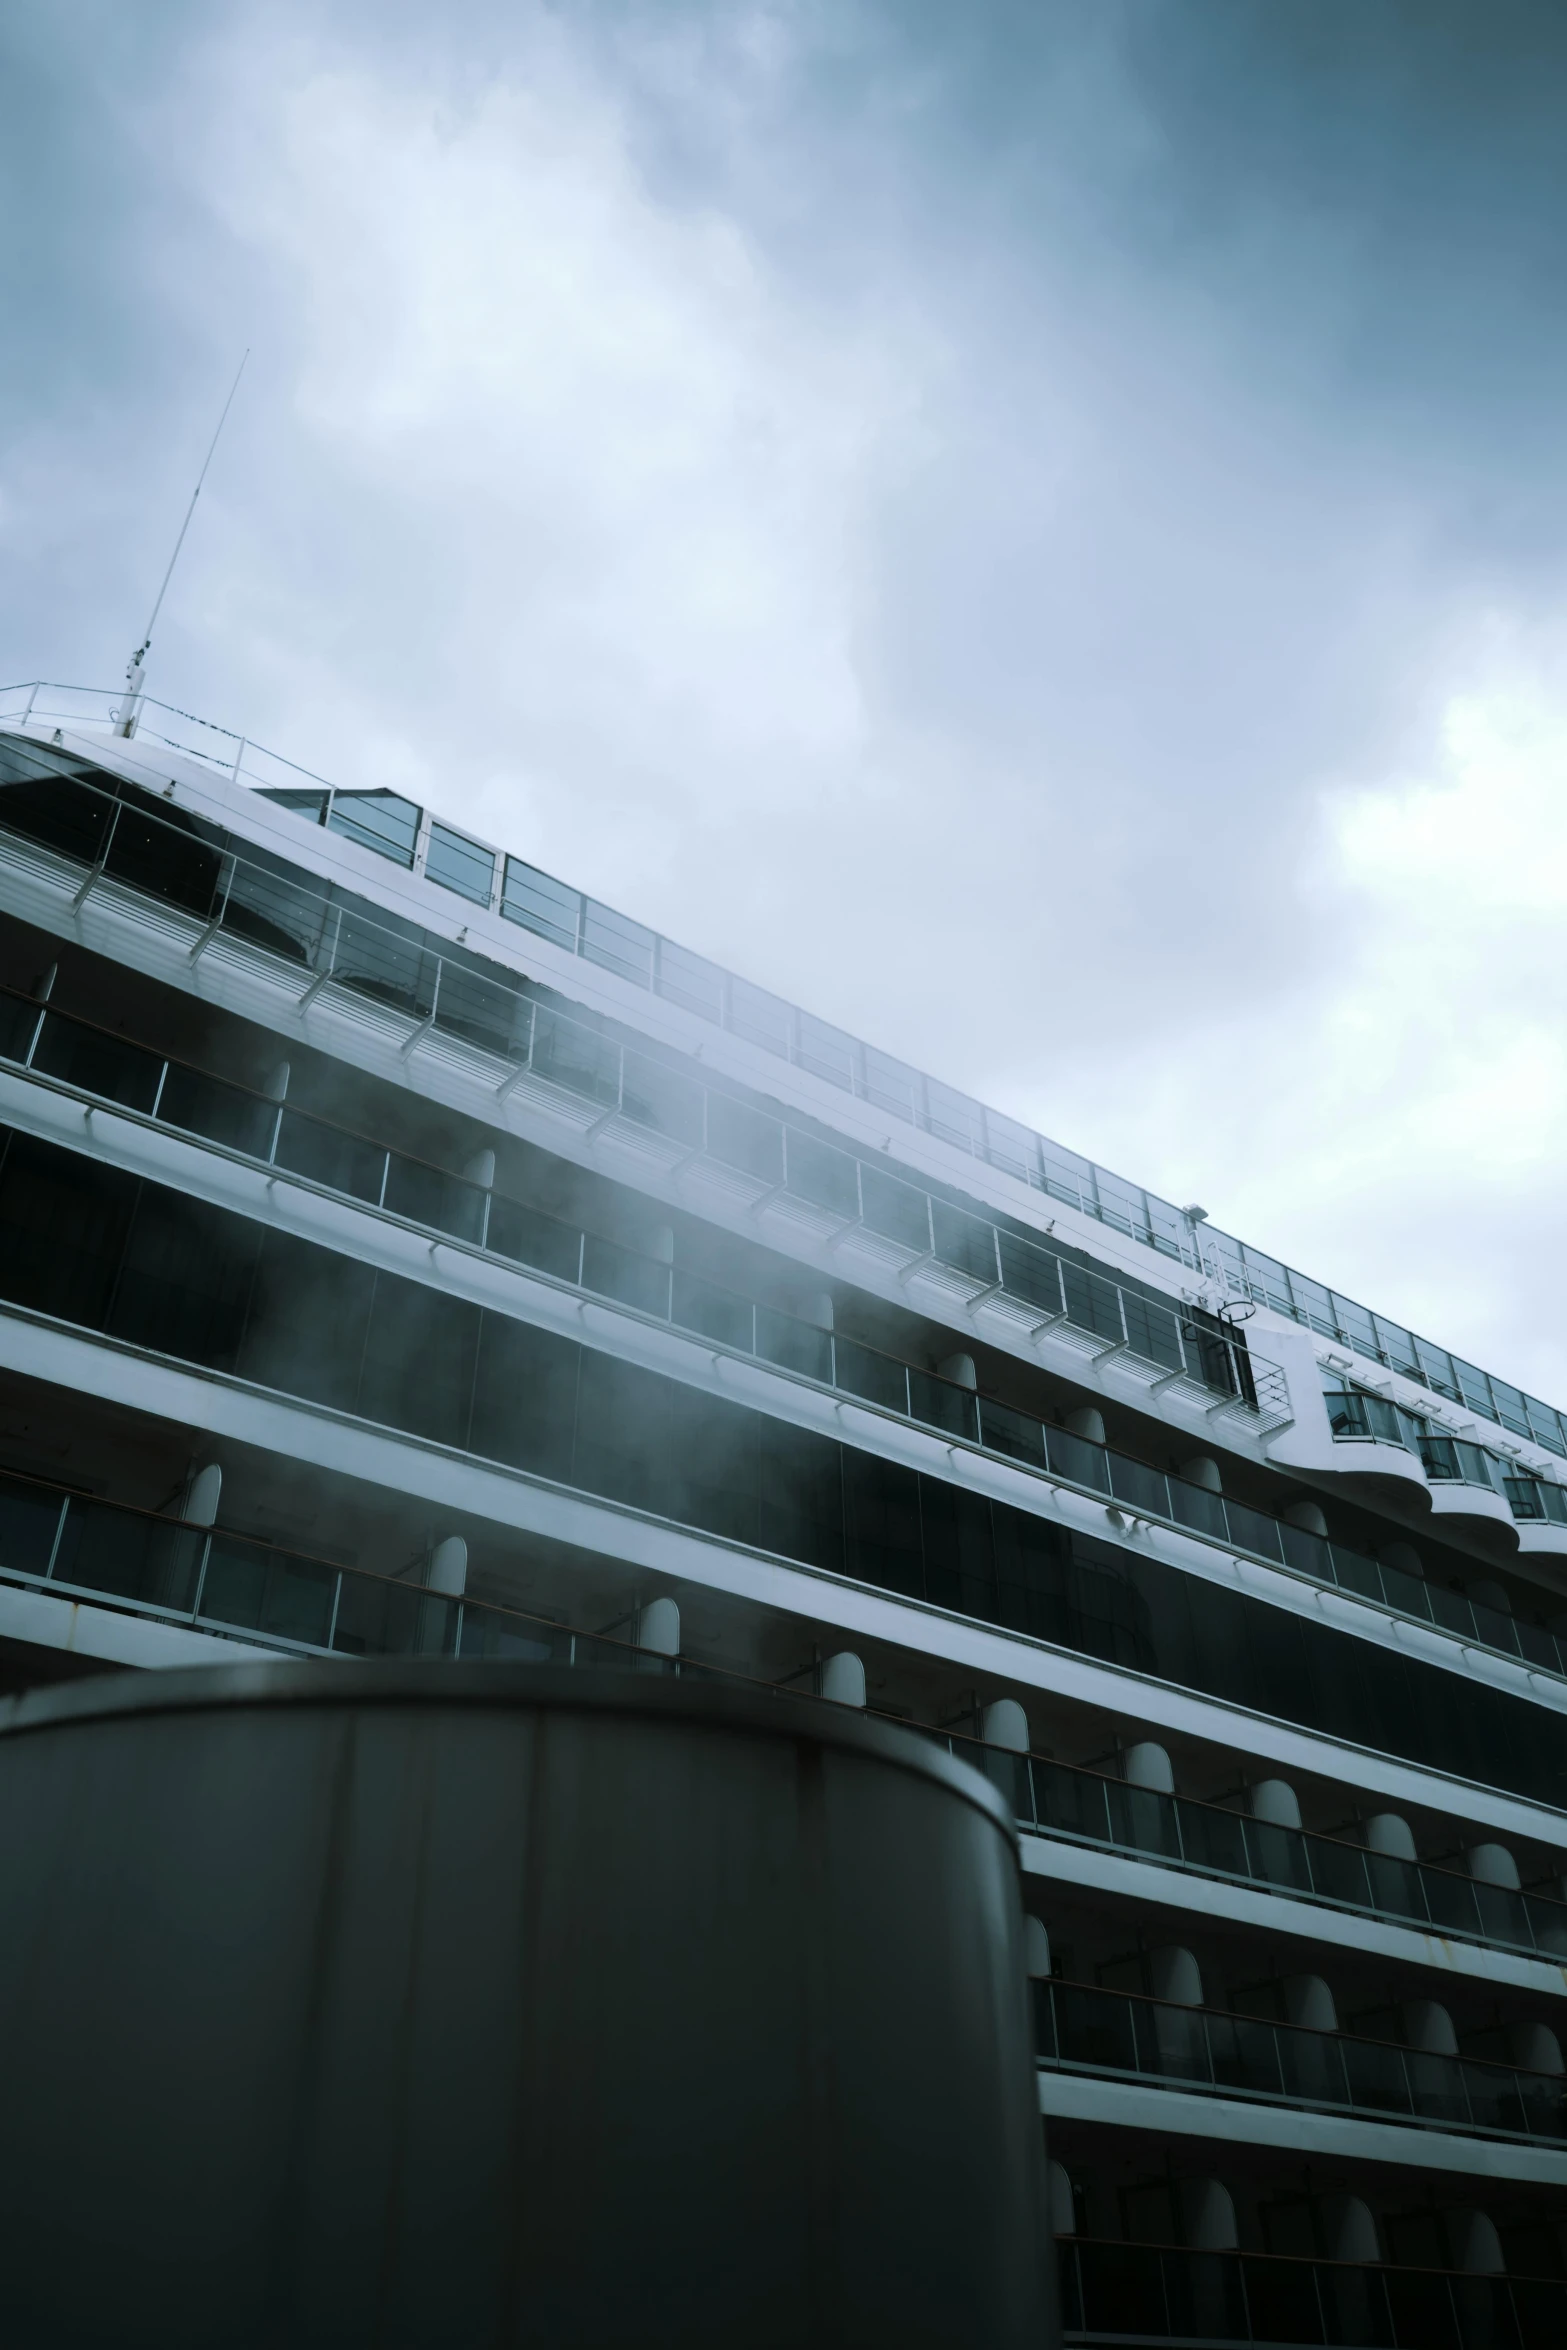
(194, 1101)
(328, 938)
(1082, 2027)
(519, 892)
(1153, 2293)
(1087, 1807)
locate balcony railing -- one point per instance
(1081, 2027)
(1358, 1418)
(324, 937)
(193, 1101)
(1137, 2294)
(1087, 1807)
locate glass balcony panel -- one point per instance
(617, 944)
(745, 1139)
(1553, 1500)
(826, 1178)
(325, 1155)
(714, 1313)
(1410, 1594)
(1003, 1430)
(891, 1086)
(963, 1242)
(1339, 1873)
(1140, 1487)
(1096, 2028)
(380, 820)
(875, 1378)
(1031, 1274)
(824, 1051)
(151, 1560)
(1092, 1303)
(1073, 1803)
(794, 1346)
(172, 857)
(29, 1519)
(937, 1403)
(1075, 1458)
(1525, 1497)
(491, 1636)
(954, 1118)
(1152, 1331)
(1121, 1205)
(109, 1066)
(529, 1238)
(1439, 1456)
(274, 911)
(1194, 1506)
(659, 1098)
(538, 902)
(18, 1023)
(1474, 1465)
(1503, 1916)
(689, 981)
(1011, 1147)
(1068, 1177)
(1249, 2056)
(1539, 1647)
(258, 1589)
(427, 1195)
(1436, 1369)
(1346, 1413)
(198, 1104)
(760, 1018)
(895, 1210)
(376, 1618)
(631, 1280)
(1451, 1610)
(398, 971)
(43, 800)
(1509, 1407)
(1376, 2077)
(1254, 1531)
(1349, 1569)
(1494, 1629)
(460, 864)
(577, 1059)
(1397, 1347)
(482, 1012)
(1278, 1855)
(1142, 1819)
(1545, 1425)
(1450, 1901)
(1269, 1280)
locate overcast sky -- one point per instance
(1038, 530)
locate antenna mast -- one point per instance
(138, 661)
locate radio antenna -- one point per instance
(138, 661)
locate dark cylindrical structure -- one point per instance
(487, 2005)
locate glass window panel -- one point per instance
(1068, 1177)
(1314, 1304)
(794, 1346)
(687, 980)
(954, 1117)
(29, 1517)
(1011, 1147)
(483, 1012)
(1167, 1228)
(620, 1273)
(616, 943)
(963, 1242)
(419, 1360)
(428, 1195)
(896, 1210)
(1544, 1425)
(876, 1378)
(890, 1086)
(1014, 1433)
(309, 804)
(274, 912)
(166, 855)
(1436, 1369)
(109, 1066)
(745, 1138)
(459, 864)
(826, 1052)
(204, 1105)
(827, 1178)
(714, 1313)
(1509, 1407)
(577, 1058)
(309, 1314)
(1398, 1347)
(658, 1097)
(1140, 1487)
(529, 1238)
(18, 1019)
(1121, 1204)
(941, 1404)
(379, 820)
(541, 904)
(391, 966)
(1474, 1387)
(1030, 1273)
(1357, 1325)
(759, 1017)
(325, 1155)
(1268, 1279)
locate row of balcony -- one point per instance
(324, 937)
(192, 1101)
(221, 1581)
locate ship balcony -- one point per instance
(1082, 2028)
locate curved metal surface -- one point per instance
(444, 2004)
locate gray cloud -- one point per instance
(925, 504)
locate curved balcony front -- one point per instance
(1477, 1512)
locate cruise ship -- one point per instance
(403, 1253)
